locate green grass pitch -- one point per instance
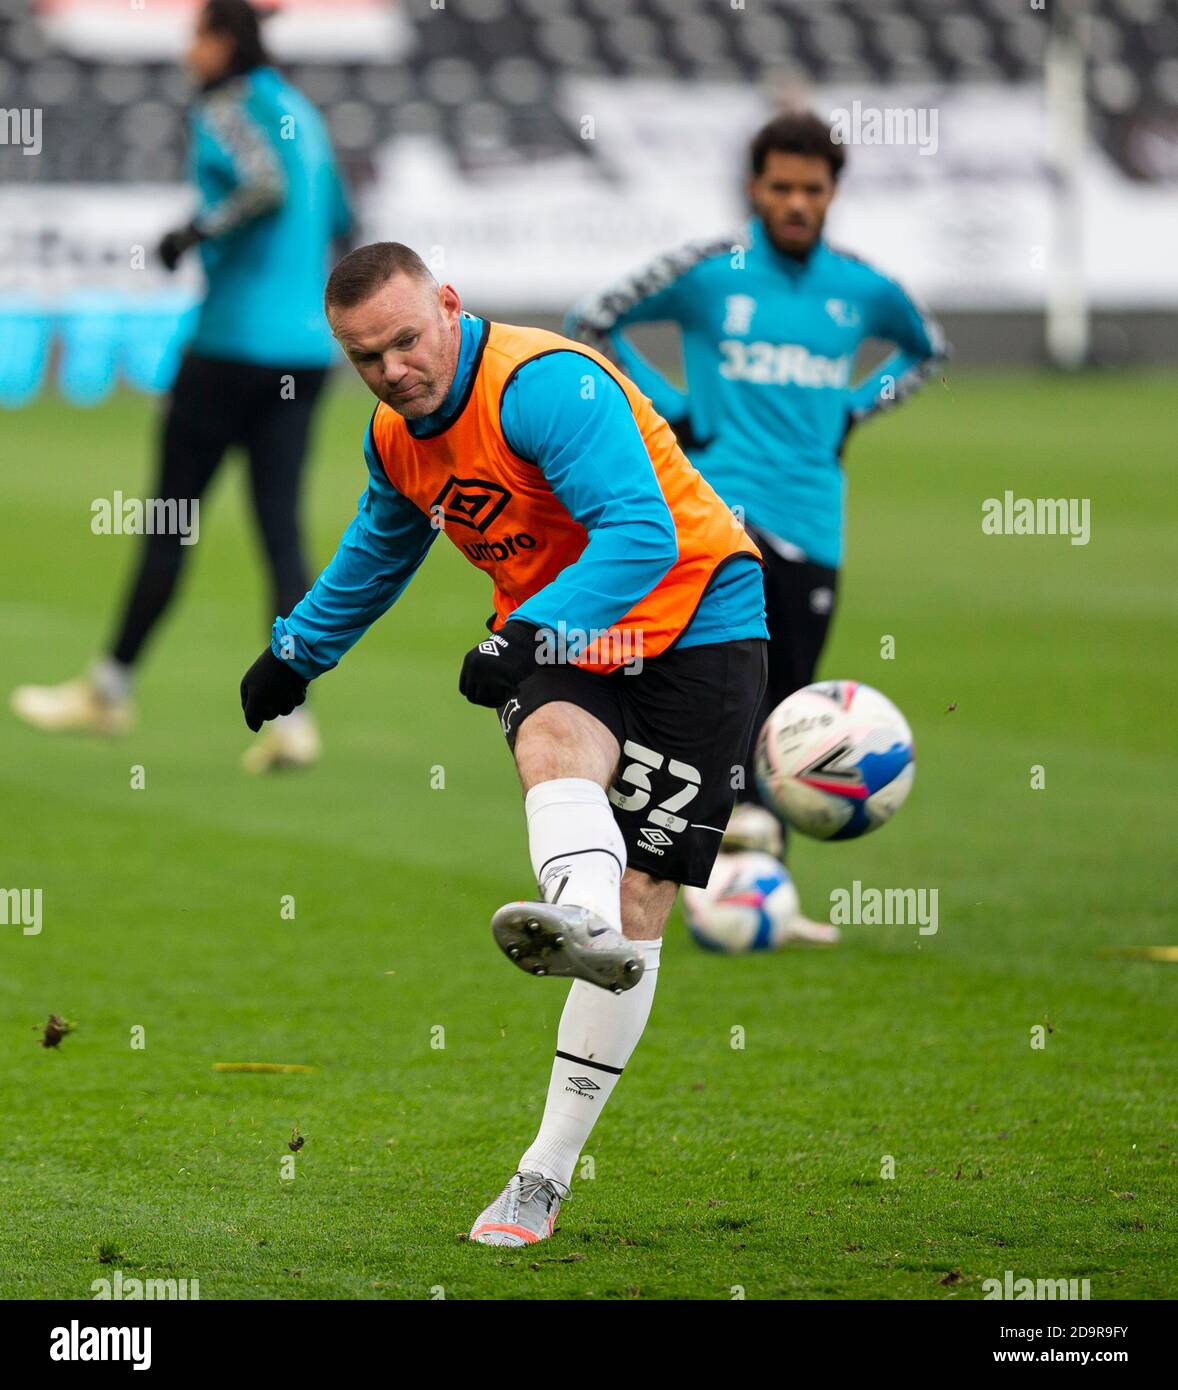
(716, 1169)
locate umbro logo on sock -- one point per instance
(551, 874)
(583, 1084)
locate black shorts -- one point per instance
(799, 605)
(683, 723)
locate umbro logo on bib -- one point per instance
(473, 502)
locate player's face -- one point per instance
(209, 54)
(791, 195)
(404, 342)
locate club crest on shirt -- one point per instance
(844, 313)
(738, 313)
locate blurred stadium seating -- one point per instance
(466, 133)
(484, 72)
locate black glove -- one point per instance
(175, 243)
(270, 688)
(492, 671)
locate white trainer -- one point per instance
(290, 741)
(73, 707)
(523, 1213)
(752, 827)
(562, 939)
(803, 931)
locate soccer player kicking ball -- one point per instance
(771, 318)
(554, 475)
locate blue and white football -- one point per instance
(835, 760)
(747, 906)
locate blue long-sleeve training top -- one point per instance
(271, 201)
(591, 452)
(769, 342)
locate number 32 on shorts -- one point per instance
(636, 773)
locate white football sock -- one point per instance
(598, 1032)
(577, 850)
(110, 679)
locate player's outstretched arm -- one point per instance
(658, 293)
(376, 558)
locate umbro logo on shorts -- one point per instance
(655, 837)
(473, 502)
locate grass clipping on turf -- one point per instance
(1159, 953)
(262, 1066)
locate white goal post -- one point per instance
(1067, 323)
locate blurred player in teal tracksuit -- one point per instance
(270, 204)
(771, 318)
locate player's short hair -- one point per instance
(242, 22)
(363, 271)
(797, 132)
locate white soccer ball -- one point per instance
(835, 759)
(748, 904)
